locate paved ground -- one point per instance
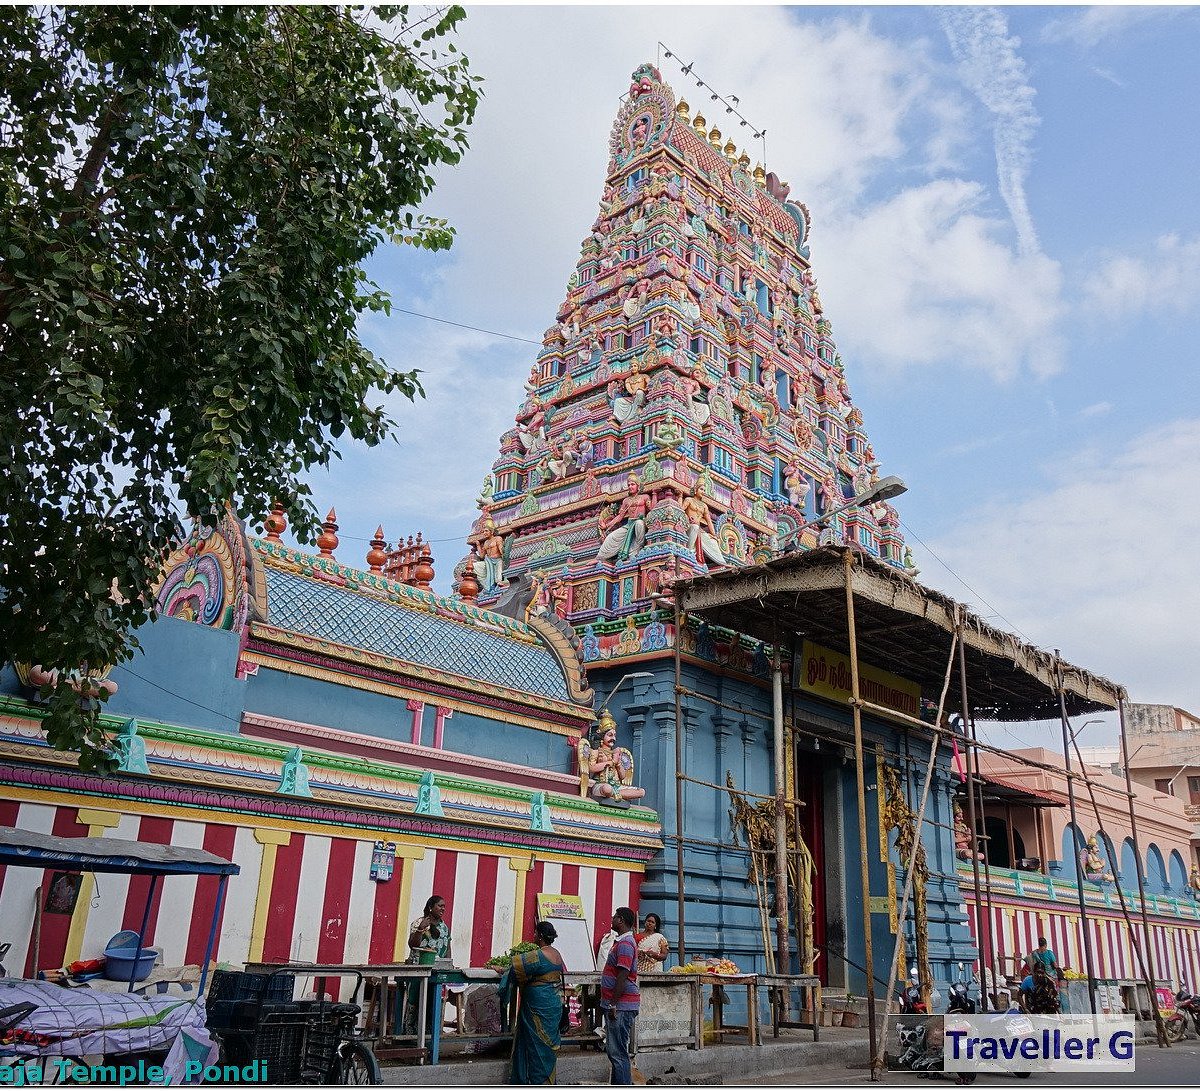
(1178, 1066)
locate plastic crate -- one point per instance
(297, 1041)
(233, 985)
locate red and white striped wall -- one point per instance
(301, 895)
(1015, 928)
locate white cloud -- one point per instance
(1099, 562)
(1166, 280)
(1089, 27)
(925, 279)
(992, 68)
(1097, 409)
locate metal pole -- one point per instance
(1159, 1026)
(679, 791)
(1083, 915)
(1012, 846)
(987, 864)
(137, 953)
(970, 786)
(864, 873)
(783, 958)
(1137, 856)
(212, 932)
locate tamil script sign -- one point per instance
(827, 673)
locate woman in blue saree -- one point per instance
(537, 975)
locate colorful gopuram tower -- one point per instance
(688, 408)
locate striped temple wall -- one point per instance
(1043, 907)
(304, 893)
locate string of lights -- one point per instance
(732, 104)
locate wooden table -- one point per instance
(382, 1014)
(781, 986)
(718, 983)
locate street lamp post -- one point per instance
(884, 489)
(620, 682)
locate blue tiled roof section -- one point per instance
(333, 613)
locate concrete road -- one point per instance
(1178, 1066)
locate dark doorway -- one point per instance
(810, 787)
(998, 855)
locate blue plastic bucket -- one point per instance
(120, 961)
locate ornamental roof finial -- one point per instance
(714, 137)
(327, 540)
(699, 124)
(683, 110)
(377, 554)
(760, 175)
(275, 523)
(468, 585)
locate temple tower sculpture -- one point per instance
(688, 407)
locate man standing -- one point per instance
(627, 539)
(619, 996)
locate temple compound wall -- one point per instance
(353, 743)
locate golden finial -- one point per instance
(760, 175)
(744, 161)
(699, 124)
(714, 137)
(683, 110)
(730, 151)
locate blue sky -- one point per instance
(1007, 241)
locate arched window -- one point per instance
(1109, 853)
(1178, 873)
(1129, 865)
(1156, 871)
(1073, 844)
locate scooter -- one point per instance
(960, 1002)
(911, 1001)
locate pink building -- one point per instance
(1029, 877)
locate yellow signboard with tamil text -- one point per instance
(827, 674)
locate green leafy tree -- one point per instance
(188, 195)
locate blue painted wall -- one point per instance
(721, 905)
(309, 700)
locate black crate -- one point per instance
(234, 985)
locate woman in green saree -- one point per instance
(538, 977)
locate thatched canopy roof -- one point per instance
(902, 626)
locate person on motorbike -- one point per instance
(1039, 993)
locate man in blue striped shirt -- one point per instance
(619, 995)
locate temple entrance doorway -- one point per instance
(810, 787)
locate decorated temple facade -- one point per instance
(688, 411)
(354, 742)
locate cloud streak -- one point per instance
(1092, 568)
(989, 64)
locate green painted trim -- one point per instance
(237, 744)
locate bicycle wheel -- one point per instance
(1174, 1027)
(356, 1065)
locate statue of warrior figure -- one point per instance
(629, 522)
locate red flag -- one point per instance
(958, 762)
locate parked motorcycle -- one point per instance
(911, 1001)
(1187, 1003)
(960, 1002)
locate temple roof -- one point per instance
(406, 625)
(368, 621)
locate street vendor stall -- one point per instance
(40, 1021)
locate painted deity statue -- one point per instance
(1094, 866)
(490, 571)
(1194, 881)
(702, 535)
(693, 390)
(636, 383)
(962, 835)
(625, 531)
(797, 485)
(605, 769)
